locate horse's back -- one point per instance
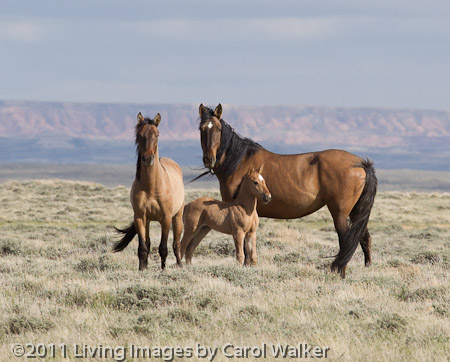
(301, 184)
(175, 176)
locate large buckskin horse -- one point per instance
(300, 184)
(157, 194)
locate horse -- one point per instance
(300, 184)
(237, 217)
(157, 194)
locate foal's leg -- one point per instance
(195, 240)
(177, 222)
(187, 237)
(165, 228)
(250, 245)
(238, 237)
(140, 224)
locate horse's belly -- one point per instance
(292, 209)
(175, 178)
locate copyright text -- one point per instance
(169, 353)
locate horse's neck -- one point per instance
(151, 175)
(246, 199)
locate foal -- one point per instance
(238, 218)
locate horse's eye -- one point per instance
(255, 182)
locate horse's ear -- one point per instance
(157, 119)
(218, 111)
(140, 118)
(260, 169)
(250, 171)
(201, 109)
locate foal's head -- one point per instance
(147, 138)
(210, 133)
(258, 185)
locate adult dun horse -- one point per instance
(157, 194)
(237, 217)
(300, 184)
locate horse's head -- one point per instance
(147, 138)
(258, 185)
(210, 133)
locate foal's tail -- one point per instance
(130, 232)
(359, 217)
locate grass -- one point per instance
(61, 284)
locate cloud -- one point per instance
(275, 29)
(21, 31)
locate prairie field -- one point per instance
(61, 285)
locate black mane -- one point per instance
(232, 145)
(235, 148)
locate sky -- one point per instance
(350, 53)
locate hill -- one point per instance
(76, 132)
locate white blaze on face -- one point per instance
(210, 125)
(261, 178)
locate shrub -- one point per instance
(138, 296)
(22, 324)
(10, 247)
(209, 301)
(187, 316)
(392, 323)
(427, 257)
(238, 276)
(421, 294)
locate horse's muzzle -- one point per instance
(209, 161)
(267, 198)
(148, 160)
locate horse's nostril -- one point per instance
(209, 161)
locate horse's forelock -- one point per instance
(206, 116)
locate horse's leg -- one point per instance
(250, 245)
(366, 245)
(177, 225)
(165, 228)
(188, 234)
(238, 237)
(247, 249)
(195, 240)
(341, 225)
(147, 239)
(253, 256)
(140, 224)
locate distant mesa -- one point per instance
(290, 125)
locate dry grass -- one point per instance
(60, 283)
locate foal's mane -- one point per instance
(138, 129)
(233, 146)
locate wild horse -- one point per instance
(157, 194)
(300, 184)
(237, 217)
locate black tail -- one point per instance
(130, 232)
(359, 219)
